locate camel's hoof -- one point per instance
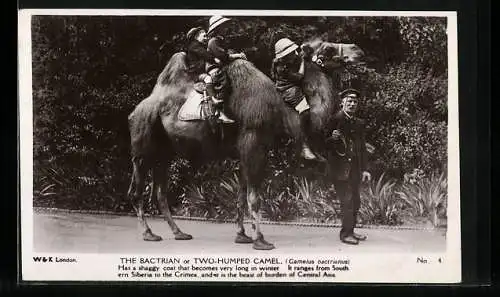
(261, 244)
(243, 238)
(183, 236)
(150, 236)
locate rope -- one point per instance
(345, 147)
(208, 220)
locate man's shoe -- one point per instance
(349, 239)
(224, 119)
(359, 237)
(307, 153)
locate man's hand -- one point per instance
(366, 176)
(336, 134)
(306, 51)
(238, 56)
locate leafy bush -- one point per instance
(277, 205)
(406, 115)
(379, 204)
(427, 197)
(315, 202)
(211, 195)
(383, 201)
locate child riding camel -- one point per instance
(196, 50)
(288, 72)
(216, 80)
(197, 57)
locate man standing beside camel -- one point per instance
(348, 162)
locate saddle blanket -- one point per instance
(191, 109)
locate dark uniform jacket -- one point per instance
(197, 56)
(347, 158)
(287, 79)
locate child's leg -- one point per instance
(209, 83)
(302, 107)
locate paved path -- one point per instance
(83, 233)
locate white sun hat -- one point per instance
(283, 47)
(216, 21)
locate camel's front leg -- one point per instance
(241, 237)
(135, 194)
(259, 243)
(253, 157)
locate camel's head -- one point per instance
(330, 58)
(329, 55)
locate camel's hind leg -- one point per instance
(135, 195)
(253, 157)
(160, 198)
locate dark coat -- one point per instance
(288, 80)
(349, 160)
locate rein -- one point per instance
(345, 147)
(318, 61)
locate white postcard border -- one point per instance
(369, 267)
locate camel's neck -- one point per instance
(319, 87)
(321, 94)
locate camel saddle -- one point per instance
(197, 107)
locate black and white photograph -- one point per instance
(244, 146)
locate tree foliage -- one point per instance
(90, 71)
